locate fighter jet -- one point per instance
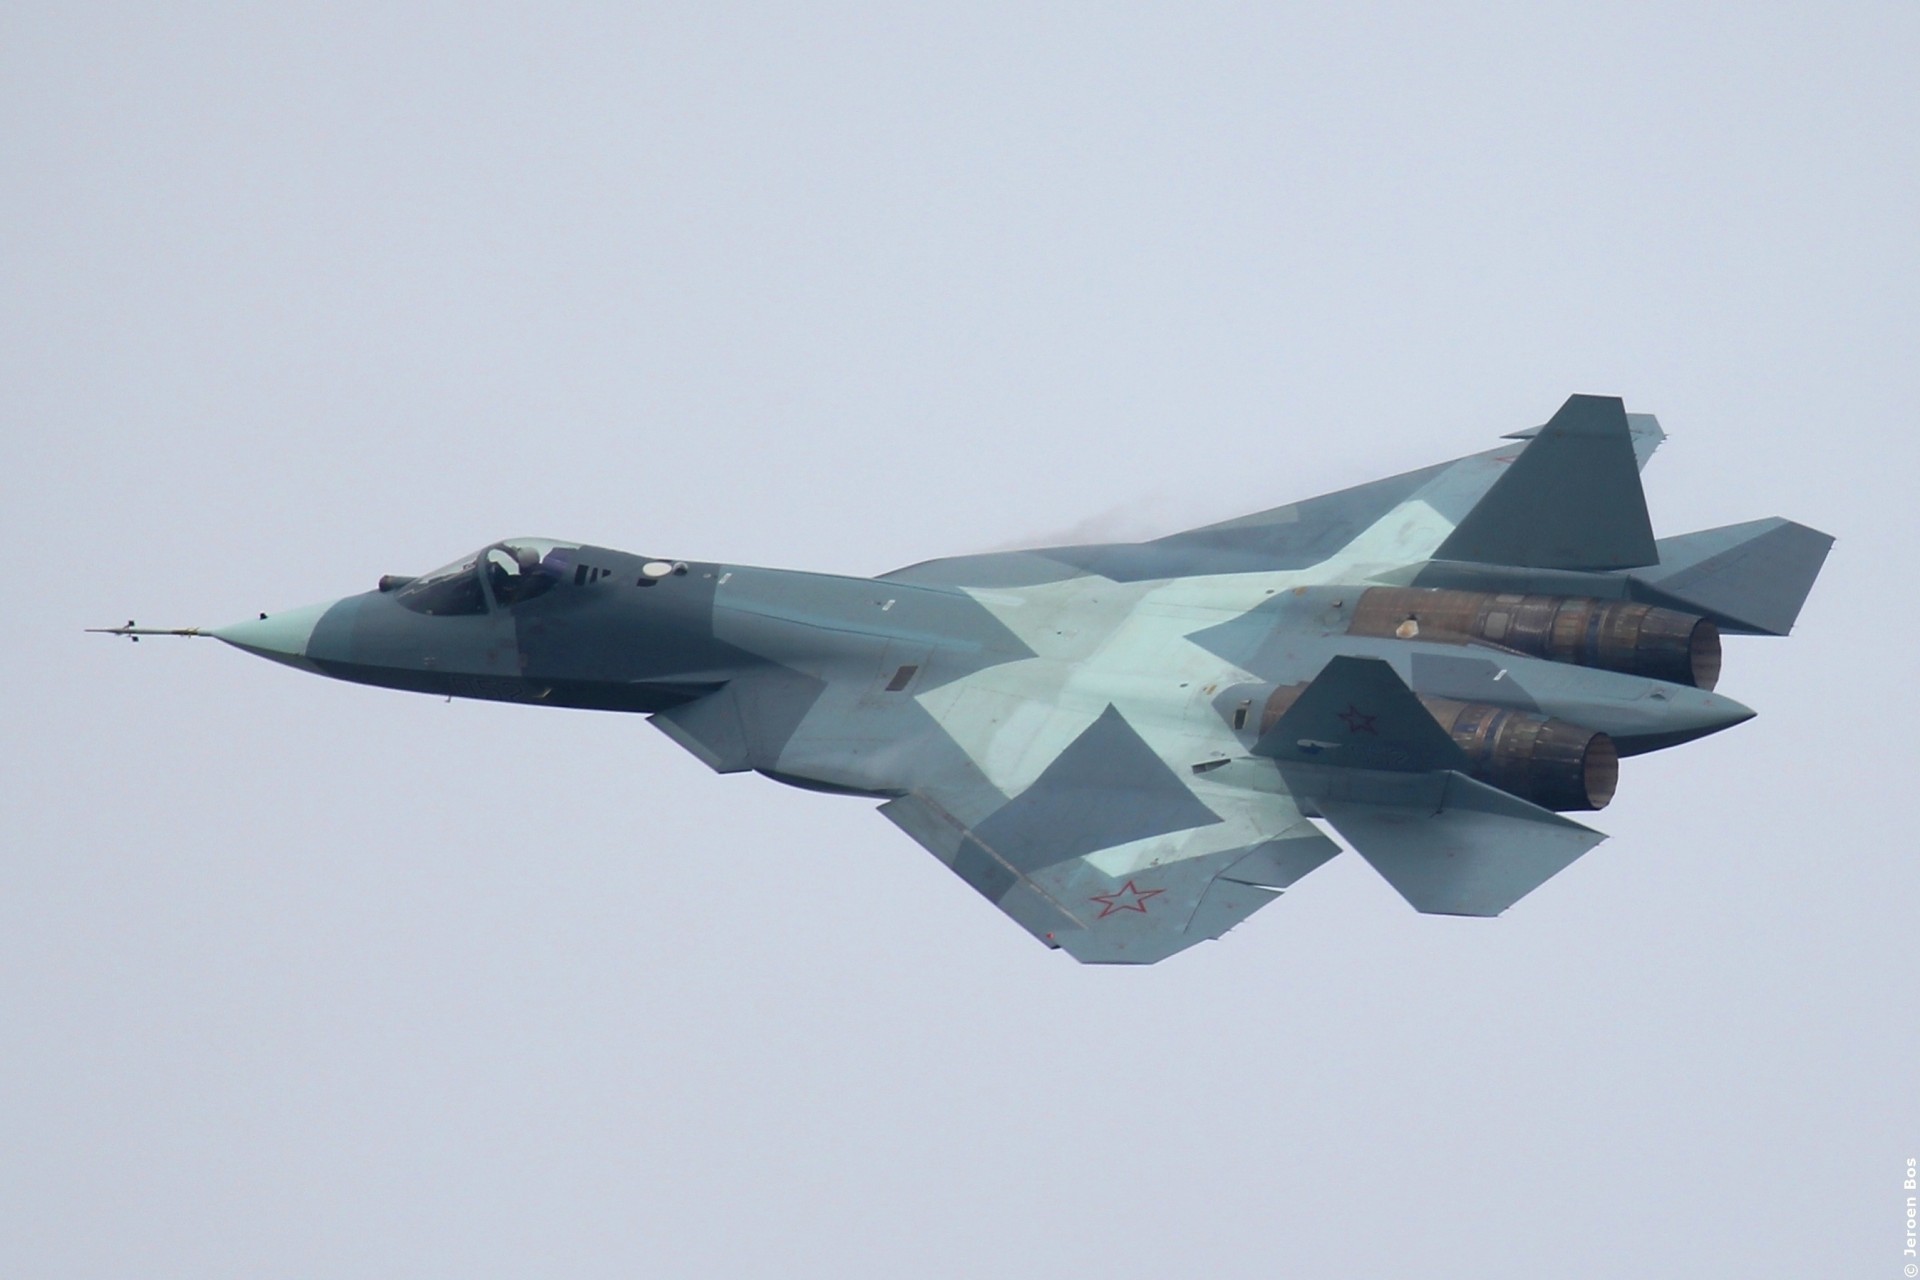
(1127, 747)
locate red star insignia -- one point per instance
(1125, 898)
(1358, 721)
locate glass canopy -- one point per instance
(500, 576)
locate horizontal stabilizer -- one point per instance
(1480, 853)
(1358, 713)
(1570, 500)
(1750, 577)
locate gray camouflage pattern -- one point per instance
(1077, 731)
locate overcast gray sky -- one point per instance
(302, 978)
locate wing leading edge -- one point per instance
(1569, 496)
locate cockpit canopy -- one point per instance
(498, 577)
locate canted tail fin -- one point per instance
(1570, 500)
(1359, 714)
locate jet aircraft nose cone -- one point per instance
(280, 636)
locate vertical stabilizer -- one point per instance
(1570, 500)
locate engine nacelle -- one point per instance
(1613, 635)
(1554, 764)
(1541, 759)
